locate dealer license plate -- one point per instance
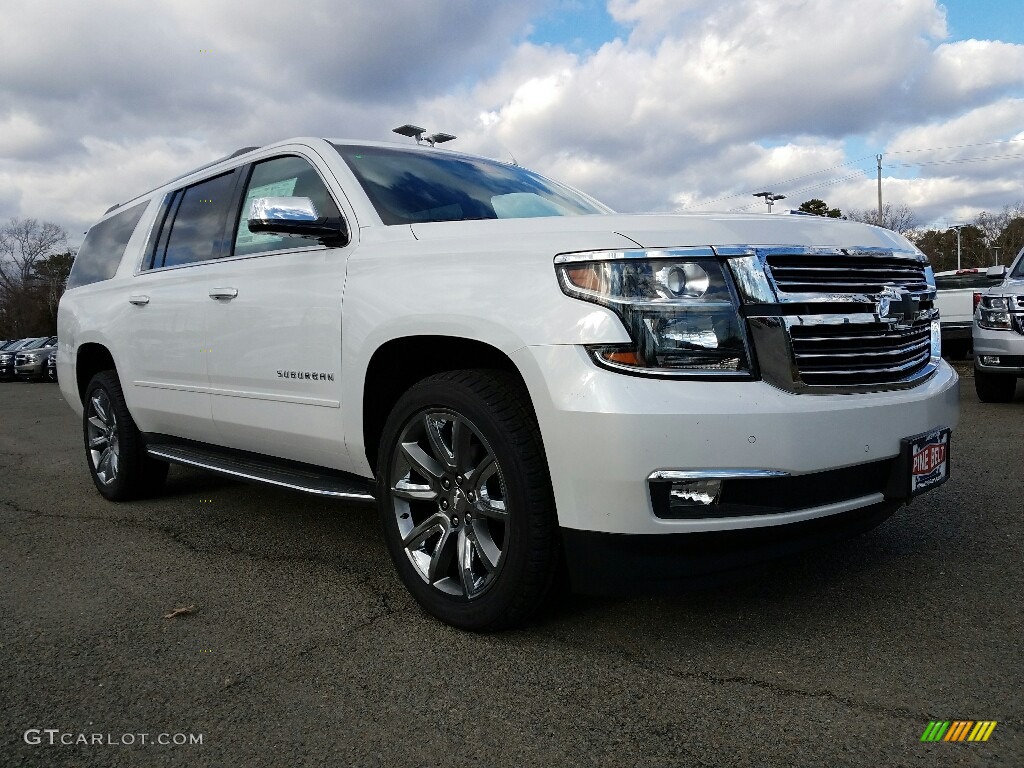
(927, 456)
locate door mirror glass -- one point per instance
(295, 217)
(269, 209)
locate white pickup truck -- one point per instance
(519, 378)
(956, 289)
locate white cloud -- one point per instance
(702, 100)
(696, 101)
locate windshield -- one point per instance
(1018, 269)
(36, 344)
(411, 186)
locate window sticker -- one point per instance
(247, 239)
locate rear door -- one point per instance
(166, 339)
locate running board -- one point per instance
(319, 483)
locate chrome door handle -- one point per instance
(139, 300)
(223, 293)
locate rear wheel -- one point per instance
(994, 387)
(114, 449)
(465, 499)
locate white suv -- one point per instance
(519, 377)
(999, 335)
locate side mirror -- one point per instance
(996, 271)
(295, 217)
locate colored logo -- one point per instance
(958, 730)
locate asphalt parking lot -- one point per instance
(303, 648)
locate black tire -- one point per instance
(994, 387)
(117, 458)
(502, 516)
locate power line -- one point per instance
(828, 183)
(775, 184)
(957, 146)
(956, 161)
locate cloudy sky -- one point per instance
(667, 105)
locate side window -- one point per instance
(104, 246)
(281, 177)
(193, 223)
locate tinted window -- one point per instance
(968, 280)
(412, 186)
(104, 246)
(282, 177)
(193, 223)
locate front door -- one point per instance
(273, 321)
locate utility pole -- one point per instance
(878, 158)
(769, 198)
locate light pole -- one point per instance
(958, 227)
(415, 132)
(769, 198)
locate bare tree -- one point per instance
(899, 218)
(24, 244)
(1002, 230)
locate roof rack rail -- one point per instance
(236, 153)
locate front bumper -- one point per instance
(605, 433)
(30, 370)
(1007, 345)
(616, 564)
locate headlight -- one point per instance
(993, 313)
(678, 307)
(31, 358)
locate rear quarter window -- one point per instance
(104, 246)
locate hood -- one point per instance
(1014, 285)
(671, 230)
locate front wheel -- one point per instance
(465, 499)
(114, 449)
(994, 387)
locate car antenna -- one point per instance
(415, 132)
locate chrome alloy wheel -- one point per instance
(448, 496)
(104, 451)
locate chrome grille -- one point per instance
(20, 359)
(831, 274)
(859, 354)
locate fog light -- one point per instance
(694, 493)
(990, 359)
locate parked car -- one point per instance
(7, 356)
(30, 361)
(955, 300)
(518, 376)
(999, 335)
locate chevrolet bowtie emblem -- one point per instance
(897, 307)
